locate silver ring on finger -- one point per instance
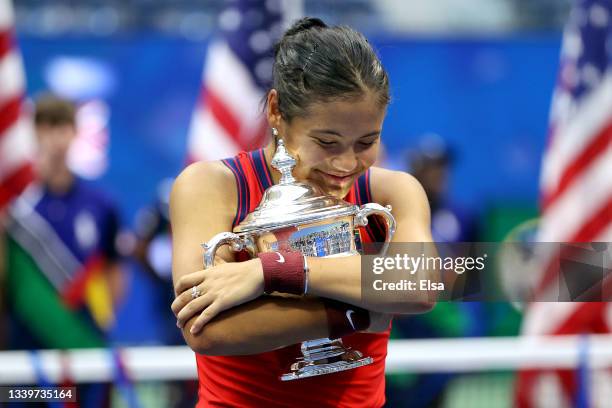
(195, 292)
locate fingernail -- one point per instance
(193, 329)
(178, 324)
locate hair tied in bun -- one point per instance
(304, 24)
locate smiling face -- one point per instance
(334, 142)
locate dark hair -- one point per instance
(315, 62)
(54, 111)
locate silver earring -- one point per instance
(275, 132)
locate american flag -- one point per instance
(16, 135)
(576, 187)
(236, 75)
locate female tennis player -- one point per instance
(328, 102)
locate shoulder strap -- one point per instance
(375, 228)
(235, 165)
(361, 189)
(252, 179)
(258, 161)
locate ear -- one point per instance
(273, 111)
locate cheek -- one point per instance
(368, 157)
(309, 158)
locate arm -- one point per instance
(340, 278)
(202, 204)
(261, 325)
(227, 286)
(115, 280)
(266, 324)
(114, 273)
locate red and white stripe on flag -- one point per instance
(576, 179)
(16, 136)
(576, 194)
(227, 118)
(237, 73)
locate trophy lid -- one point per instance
(290, 202)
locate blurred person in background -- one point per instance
(153, 251)
(63, 276)
(431, 164)
(153, 254)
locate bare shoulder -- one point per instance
(203, 203)
(204, 191)
(395, 187)
(204, 179)
(408, 200)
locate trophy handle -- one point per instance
(235, 242)
(361, 219)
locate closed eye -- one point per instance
(326, 143)
(367, 143)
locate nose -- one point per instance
(346, 162)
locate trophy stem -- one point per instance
(325, 356)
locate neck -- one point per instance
(59, 181)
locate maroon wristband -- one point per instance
(283, 272)
(344, 319)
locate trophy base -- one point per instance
(347, 361)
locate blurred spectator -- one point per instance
(153, 251)
(63, 276)
(152, 260)
(431, 163)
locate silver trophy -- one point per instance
(298, 216)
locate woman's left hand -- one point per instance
(221, 287)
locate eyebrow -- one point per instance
(333, 132)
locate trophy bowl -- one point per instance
(296, 216)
